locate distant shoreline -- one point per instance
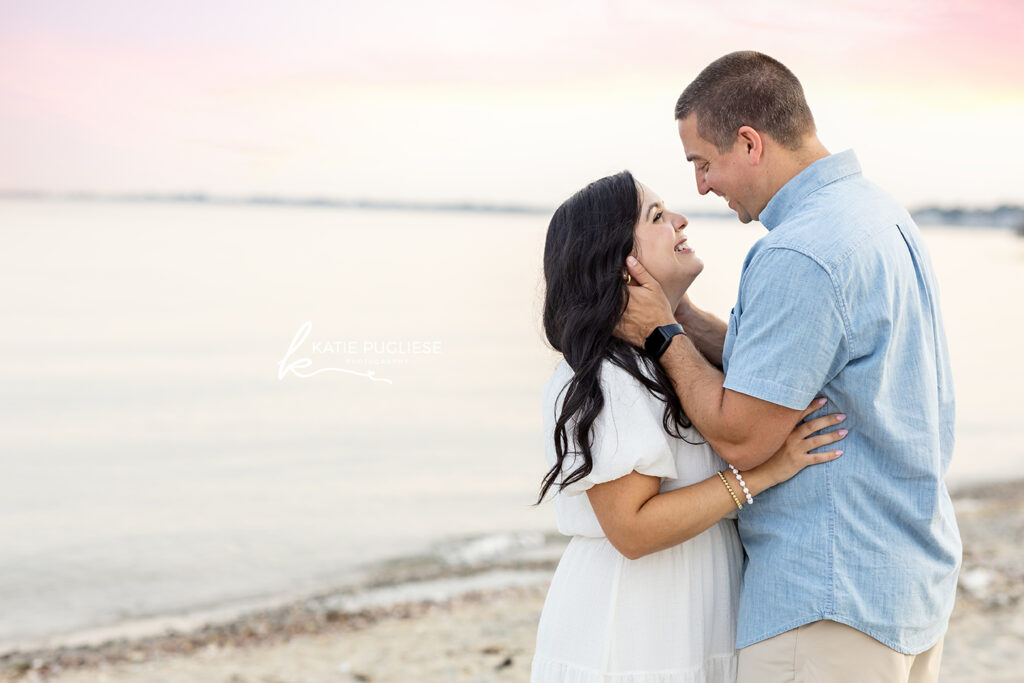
(268, 200)
(1006, 216)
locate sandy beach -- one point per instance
(485, 630)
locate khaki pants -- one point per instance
(830, 652)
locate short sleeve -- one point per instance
(628, 434)
(790, 337)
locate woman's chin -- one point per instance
(687, 280)
(694, 270)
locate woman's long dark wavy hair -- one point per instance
(589, 237)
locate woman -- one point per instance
(647, 588)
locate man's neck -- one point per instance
(791, 163)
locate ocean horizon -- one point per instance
(1008, 216)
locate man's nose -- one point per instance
(702, 183)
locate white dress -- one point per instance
(667, 617)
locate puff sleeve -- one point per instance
(627, 435)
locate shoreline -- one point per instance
(501, 580)
(452, 561)
(455, 570)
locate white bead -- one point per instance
(743, 484)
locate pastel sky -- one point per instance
(502, 101)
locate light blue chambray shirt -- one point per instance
(839, 299)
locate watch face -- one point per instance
(655, 342)
(660, 339)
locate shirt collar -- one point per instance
(816, 176)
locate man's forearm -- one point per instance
(699, 386)
(706, 331)
(743, 430)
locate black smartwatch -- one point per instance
(658, 341)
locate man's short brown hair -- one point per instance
(747, 89)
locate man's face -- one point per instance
(728, 174)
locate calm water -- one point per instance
(155, 458)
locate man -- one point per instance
(851, 565)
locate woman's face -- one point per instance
(661, 246)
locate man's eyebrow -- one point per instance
(694, 157)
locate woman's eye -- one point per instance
(657, 216)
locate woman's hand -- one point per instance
(794, 454)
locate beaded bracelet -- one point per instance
(739, 505)
(743, 484)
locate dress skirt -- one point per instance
(667, 617)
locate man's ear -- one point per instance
(752, 143)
